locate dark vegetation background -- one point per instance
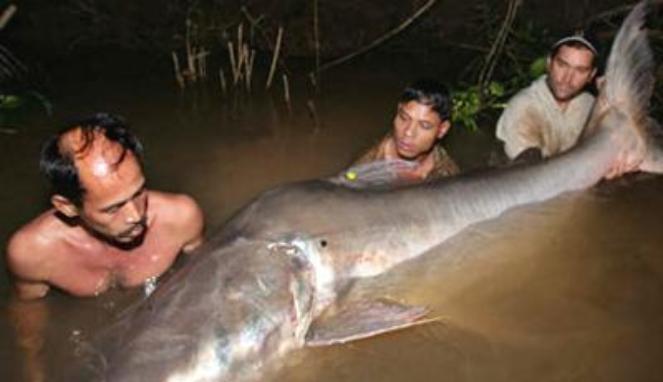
(56, 29)
(76, 40)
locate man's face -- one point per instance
(115, 200)
(416, 129)
(569, 71)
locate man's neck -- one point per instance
(562, 105)
(425, 158)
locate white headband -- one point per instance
(576, 38)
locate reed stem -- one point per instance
(286, 93)
(222, 80)
(249, 66)
(178, 74)
(275, 58)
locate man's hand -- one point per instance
(626, 162)
(631, 155)
(529, 156)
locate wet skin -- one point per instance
(121, 234)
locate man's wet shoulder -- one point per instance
(178, 213)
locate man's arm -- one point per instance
(530, 155)
(519, 128)
(27, 266)
(28, 318)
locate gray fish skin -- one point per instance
(221, 317)
(251, 294)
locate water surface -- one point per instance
(567, 290)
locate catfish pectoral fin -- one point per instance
(362, 320)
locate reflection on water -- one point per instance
(566, 290)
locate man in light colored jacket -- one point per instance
(547, 117)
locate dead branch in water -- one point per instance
(286, 93)
(275, 58)
(201, 60)
(178, 72)
(249, 58)
(255, 25)
(222, 80)
(233, 62)
(379, 40)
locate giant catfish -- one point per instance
(259, 288)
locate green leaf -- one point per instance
(538, 67)
(10, 101)
(496, 89)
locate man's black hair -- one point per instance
(57, 162)
(431, 93)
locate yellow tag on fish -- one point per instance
(351, 175)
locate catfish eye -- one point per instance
(323, 243)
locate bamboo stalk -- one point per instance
(275, 58)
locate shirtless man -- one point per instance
(105, 228)
(422, 119)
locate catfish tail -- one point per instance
(629, 79)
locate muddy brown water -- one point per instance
(567, 290)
